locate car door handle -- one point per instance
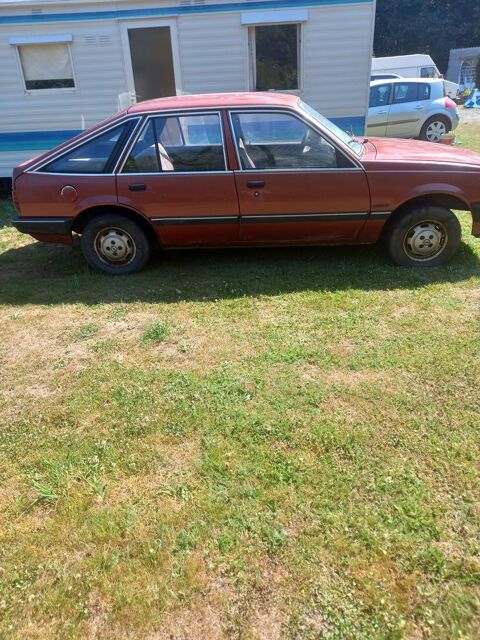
(137, 187)
(420, 108)
(382, 111)
(255, 184)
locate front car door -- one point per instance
(379, 107)
(176, 175)
(409, 103)
(295, 185)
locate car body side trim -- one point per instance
(269, 218)
(181, 220)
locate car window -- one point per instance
(424, 91)
(428, 72)
(404, 92)
(380, 95)
(281, 141)
(94, 156)
(178, 143)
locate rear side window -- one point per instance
(178, 143)
(405, 92)
(95, 156)
(424, 91)
(380, 95)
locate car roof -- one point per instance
(374, 83)
(219, 100)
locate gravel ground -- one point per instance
(470, 115)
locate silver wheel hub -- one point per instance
(435, 131)
(425, 240)
(115, 246)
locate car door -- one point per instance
(379, 107)
(176, 175)
(407, 110)
(295, 185)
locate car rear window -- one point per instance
(94, 156)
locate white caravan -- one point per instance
(417, 65)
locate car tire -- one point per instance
(427, 236)
(115, 245)
(434, 128)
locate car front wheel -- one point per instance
(426, 237)
(115, 245)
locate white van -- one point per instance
(417, 65)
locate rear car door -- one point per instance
(295, 185)
(409, 103)
(176, 174)
(379, 107)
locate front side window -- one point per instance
(178, 143)
(94, 156)
(46, 66)
(405, 92)
(271, 140)
(380, 95)
(428, 72)
(275, 57)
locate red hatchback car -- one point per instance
(235, 170)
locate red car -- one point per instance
(235, 170)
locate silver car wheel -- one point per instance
(435, 131)
(425, 240)
(115, 246)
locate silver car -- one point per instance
(411, 108)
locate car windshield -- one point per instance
(345, 137)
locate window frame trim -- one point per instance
(68, 44)
(357, 166)
(251, 46)
(166, 114)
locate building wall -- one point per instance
(213, 48)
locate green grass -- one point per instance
(257, 444)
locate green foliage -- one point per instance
(155, 333)
(426, 26)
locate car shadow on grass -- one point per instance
(50, 274)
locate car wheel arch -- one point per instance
(86, 215)
(446, 200)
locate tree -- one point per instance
(426, 26)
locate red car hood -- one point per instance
(394, 150)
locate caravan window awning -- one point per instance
(274, 17)
(41, 40)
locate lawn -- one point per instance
(247, 445)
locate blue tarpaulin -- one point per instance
(473, 101)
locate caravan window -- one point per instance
(275, 52)
(46, 66)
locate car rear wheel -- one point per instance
(434, 128)
(115, 245)
(426, 237)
